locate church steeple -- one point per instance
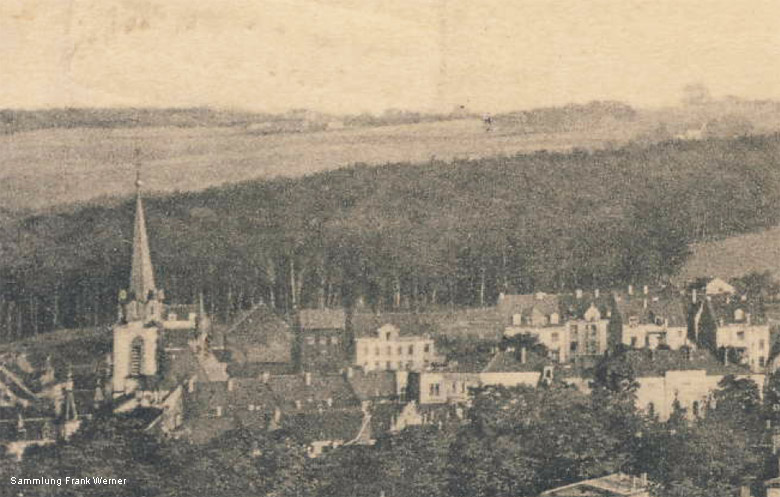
(141, 272)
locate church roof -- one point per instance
(141, 271)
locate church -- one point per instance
(156, 346)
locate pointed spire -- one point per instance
(141, 272)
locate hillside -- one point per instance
(400, 235)
(47, 167)
(735, 256)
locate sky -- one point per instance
(348, 56)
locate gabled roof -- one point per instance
(545, 303)
(322, 319)
(575, 307)
(261, 336)
(667, 304)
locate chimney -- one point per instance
(349, 372)
(277, 415)
(693, 295)
(191, 385)
(219, 411)
(646, 290)
(329, 401)
(578, 292)
(644, 303)
(747, 318)
(596, 293)
(307, 378)
(231, 384)
(266, 377)
(298, 404)
(523, 355)
(631, 289)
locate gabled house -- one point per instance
(540, 315)
(652, 318)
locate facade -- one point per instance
(322, 342)
(390, 351)
(652, 319)
(538, 315)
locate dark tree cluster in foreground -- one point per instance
(511, 442)
(399, 235)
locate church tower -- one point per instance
(140, 314)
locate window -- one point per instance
(411, 349)
(573, 346)
(387, 336)
(761, 362)
(650, 409)
(760, 345)
(334, 340)
(400, 350)
(454, 386)
(389, 350)
(741, 336)
(554, 318)
(388, 365)
(427, 348)
(695, 408)
(434, 389)
(574, 328)
(323, 340)
(376, 351)
(310, 340)
(554, 337)
(633, 342)
(136, 356)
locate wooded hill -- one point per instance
(399, 235)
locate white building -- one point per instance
(388, 350)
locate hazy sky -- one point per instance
(355, 55)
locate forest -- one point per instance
(398, 236)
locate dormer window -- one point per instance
(555, 318)
(739, 315)
(517, 320)
(633, 321)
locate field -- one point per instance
(43, 168)
(735, 256)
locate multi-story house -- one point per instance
(389, 350)
(322, 343)
(738, 327)
(652, 319)
(539, 315)
(588, 316)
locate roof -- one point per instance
(724, 307)
(322, 319)
(342, 425)
(614, 485)
(575, 307)
(374, 384)
(408, 323)
(289, 389)
(508, 361)
(666, 304)
(658, 362)
(260, 336)
(523, 304)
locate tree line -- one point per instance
(398, 236)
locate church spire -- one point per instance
(141, 272)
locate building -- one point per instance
(540, 315)
(389, 350)
(735, 328)
(652, 319)
(259, 341)
(614, 485)
(509, 368)
(588, 317)
(322, 340)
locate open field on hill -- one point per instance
(43, 168)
